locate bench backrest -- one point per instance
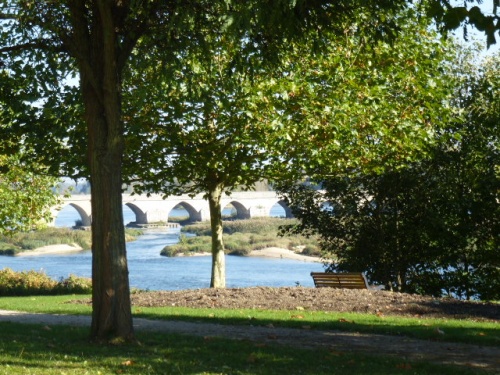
(339, 280)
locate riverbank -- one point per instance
(51, 250)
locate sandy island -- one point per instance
(270, 252)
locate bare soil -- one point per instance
(322, 299)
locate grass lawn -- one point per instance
(31, 349)
(465, 331)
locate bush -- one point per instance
(28, 283)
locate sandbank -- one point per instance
(270, 252)
(193, 255)
(278, 252)
(51, 249)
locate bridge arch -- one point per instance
(82, 208)
(86, 216)
(195, 214)
(286, 208)
(241, 211)
(140, 215)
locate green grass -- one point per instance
(32, 349)
(465, 331)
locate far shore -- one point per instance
(270, 252)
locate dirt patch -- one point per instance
(321, 299)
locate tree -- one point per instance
(203, 129)
(98, 36)
(430, 227)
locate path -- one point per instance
(473, 356)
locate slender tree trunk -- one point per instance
(218, 279)
(100, 81)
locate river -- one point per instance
(150, 271)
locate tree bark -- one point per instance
(97, 55)
(218, 278)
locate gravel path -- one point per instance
(472, 356)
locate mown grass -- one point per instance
(34, 349)
(446, 330)
(11, 245)
(241, 237)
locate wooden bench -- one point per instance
(339, 280)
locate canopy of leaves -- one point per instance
(432, 227)
(195, 123)
(360, 105)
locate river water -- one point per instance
(150, 271)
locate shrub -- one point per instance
(75, 285)
(28, 283)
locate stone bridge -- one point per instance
(155, 209)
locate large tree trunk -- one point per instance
(100, 81)
(218, 279)
(111, 311)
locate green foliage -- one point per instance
(430, 228)
(29, 283)
(360, 105)
(26, 193)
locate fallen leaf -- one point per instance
(342, 320)
(128, 362)
(297, 316)
(404, 366)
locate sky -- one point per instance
(475, 35)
